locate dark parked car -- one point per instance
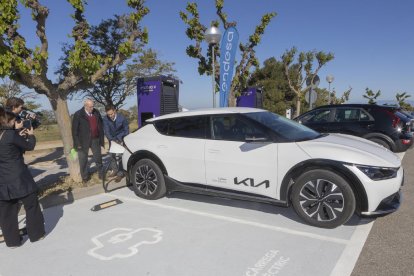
(385, 125)
(409, 115)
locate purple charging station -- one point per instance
(252, 97)
(156, 96)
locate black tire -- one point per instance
(380, 142)
(148, 180)
(323, 198)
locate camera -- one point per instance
(30, 118)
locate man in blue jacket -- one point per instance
(116, 127)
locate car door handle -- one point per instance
(162, 146)
(213, 151)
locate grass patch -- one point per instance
(47, 133)
(51, 132)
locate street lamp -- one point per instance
(212, 36)
(329, 79)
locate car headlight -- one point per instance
(378, 173)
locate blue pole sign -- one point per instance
(228, 49)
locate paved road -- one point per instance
(214, 236)
(389, 249)
(183, 234)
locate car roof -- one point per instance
(359, 105)
(356, 105)
(207, 111)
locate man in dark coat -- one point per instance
(87, 131)
(16, 183)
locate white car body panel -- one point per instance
(221, 164)
(286, 162)
(350, 149)
(252, 165)
(182, 157)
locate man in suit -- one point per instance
(87, 132)
(116, 127)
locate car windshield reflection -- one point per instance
(285, 128)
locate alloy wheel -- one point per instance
(321, 200)
(146, 180)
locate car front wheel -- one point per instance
(148, 180)
(323, 198)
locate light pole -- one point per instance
(212, 36)
(329, 79)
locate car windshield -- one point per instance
(285, 128)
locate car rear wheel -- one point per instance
(380, 142)
(148, 180)
(323, 198)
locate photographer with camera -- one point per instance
(15, 105)
(25, 118)
(17, 183)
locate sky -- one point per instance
(372, 40)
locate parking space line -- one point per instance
(235, 220)
(350, 255)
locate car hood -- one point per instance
(350, 149)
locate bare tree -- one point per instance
(297, 73)
(195, 31)
(85, 66)
(10, 88)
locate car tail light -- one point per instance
(408, 128)
(395, 119)
(406, 141)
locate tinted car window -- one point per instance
(364, 116)
(233, 128)
(319, 116)
(162, 126)
(188, 127)
(287, 129)
(351, 115)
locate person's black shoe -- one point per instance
(84, 180)
(17, 245)
(39, 239)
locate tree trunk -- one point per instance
(298, 103)
(60, 108)
(232, 99)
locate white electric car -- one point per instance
(255, 155)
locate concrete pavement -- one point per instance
(387, 251)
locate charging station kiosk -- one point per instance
(157, 96)
(252, 97)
